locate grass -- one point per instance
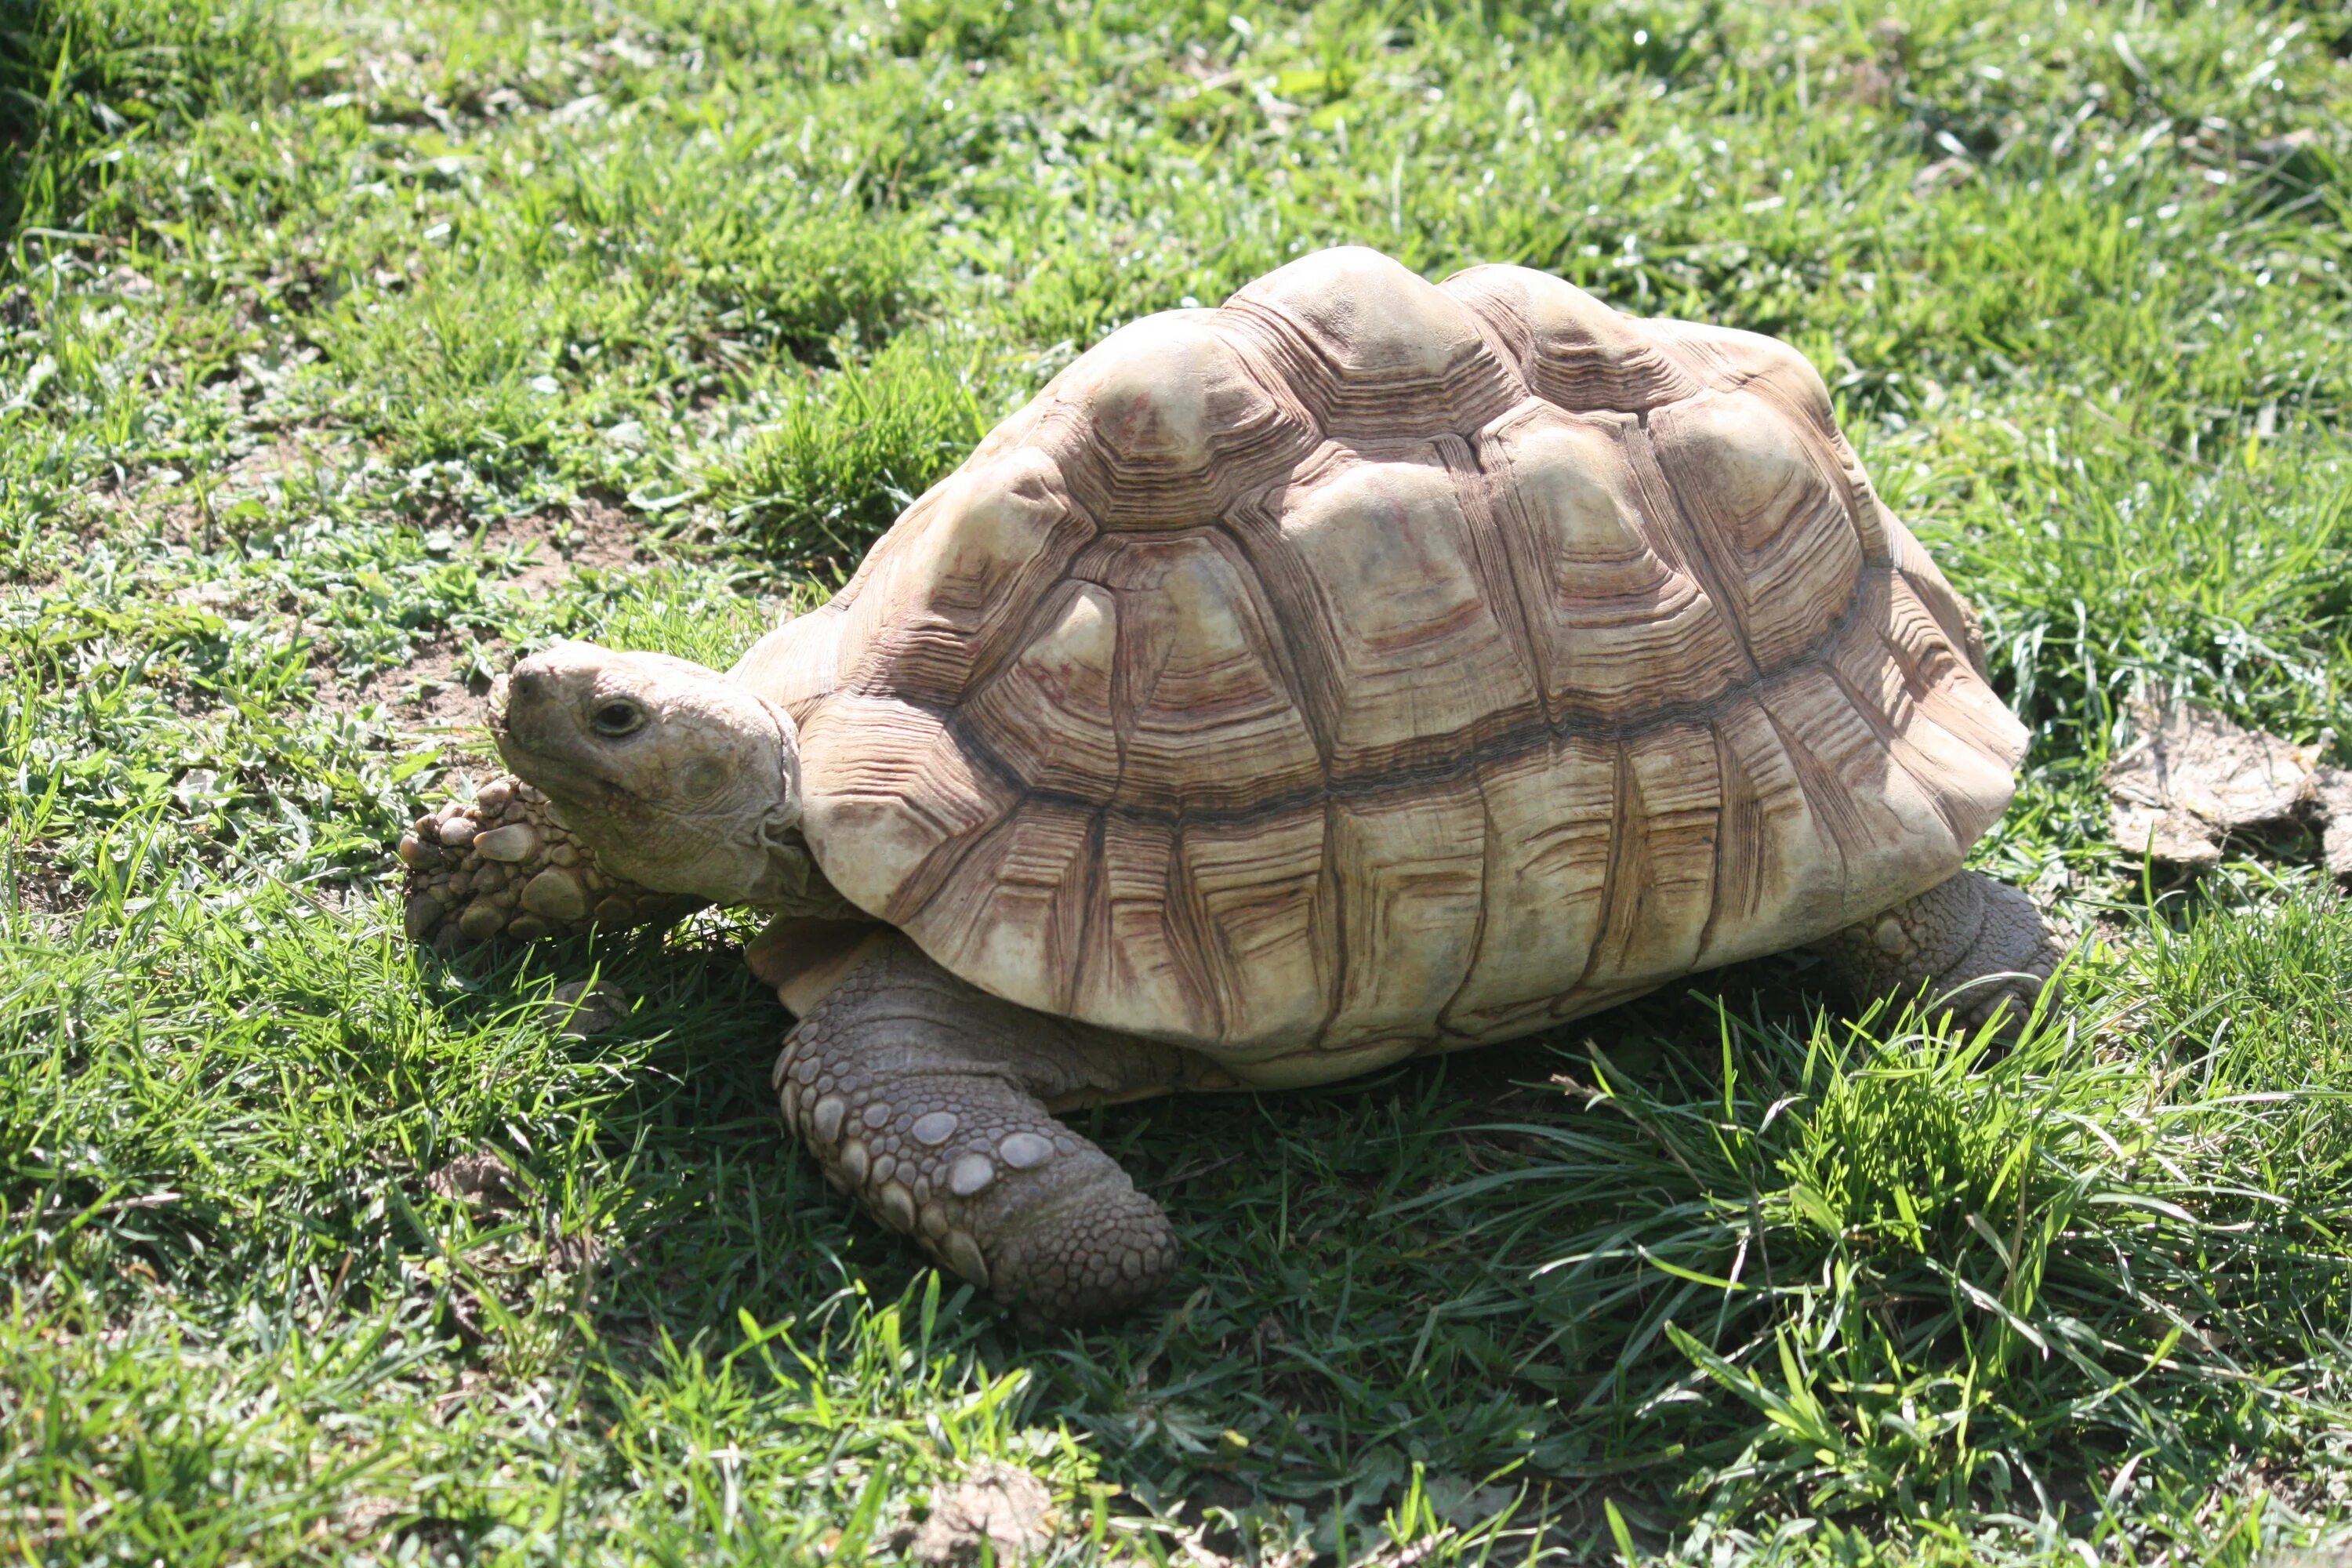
(346, 351)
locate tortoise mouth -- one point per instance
(501, 694)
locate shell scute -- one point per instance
(1550, 812)
(1766, 370)
(1263, 910)
(1142, 971)
(1404, 654)
(1051, 716)
(1163, 423)
(1777, 869)
(1620, 623)
(1892, 839)
(1373, 349)
(1774, 518)
(1410, 867)
(1572, 350)
(1365, 667)
(1207, 712)
(892, 778)
(1014, 905)
(1662, 873)
(1901, 675)
(936, 602)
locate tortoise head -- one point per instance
(681, 780)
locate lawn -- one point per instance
(347, 351)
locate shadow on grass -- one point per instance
(1705, 1255)
(1320, 1351)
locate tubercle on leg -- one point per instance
(503, 865)
(920, 1096)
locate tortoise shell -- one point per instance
(1368, 667)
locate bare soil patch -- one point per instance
(594, 535)
(534, 554)
(432, 689)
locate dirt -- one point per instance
(42, 891)
(594, 535)
(428, 689)
(994, 1508)
(480, 1179)
(181, 521)
(535, 556)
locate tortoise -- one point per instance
(1361, 669)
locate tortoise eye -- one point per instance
(619, 717)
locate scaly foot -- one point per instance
(1975, 942)
(927, 1099)
(501, 865)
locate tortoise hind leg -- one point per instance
(927, 1099)
(1979, 942)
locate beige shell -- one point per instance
(1369, 667)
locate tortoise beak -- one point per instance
(538, 717)
(533, 719)
(500, 691)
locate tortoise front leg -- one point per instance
(501, 865)
(928, 1099)
(1979, 941)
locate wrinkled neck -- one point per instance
(793, 888)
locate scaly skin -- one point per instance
(1958, 934)
(501, 865)
(926, 1100)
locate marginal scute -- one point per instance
(1011, 916)
(1777, 869)
(795, 665)
(1924, 723)
(1951, 614)
(1550, 813)
(1891, 840)
(1662, 880)
(1142, 971)
(1411, 865)
(1266, 925)
(888, 777)
(1940, 674)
